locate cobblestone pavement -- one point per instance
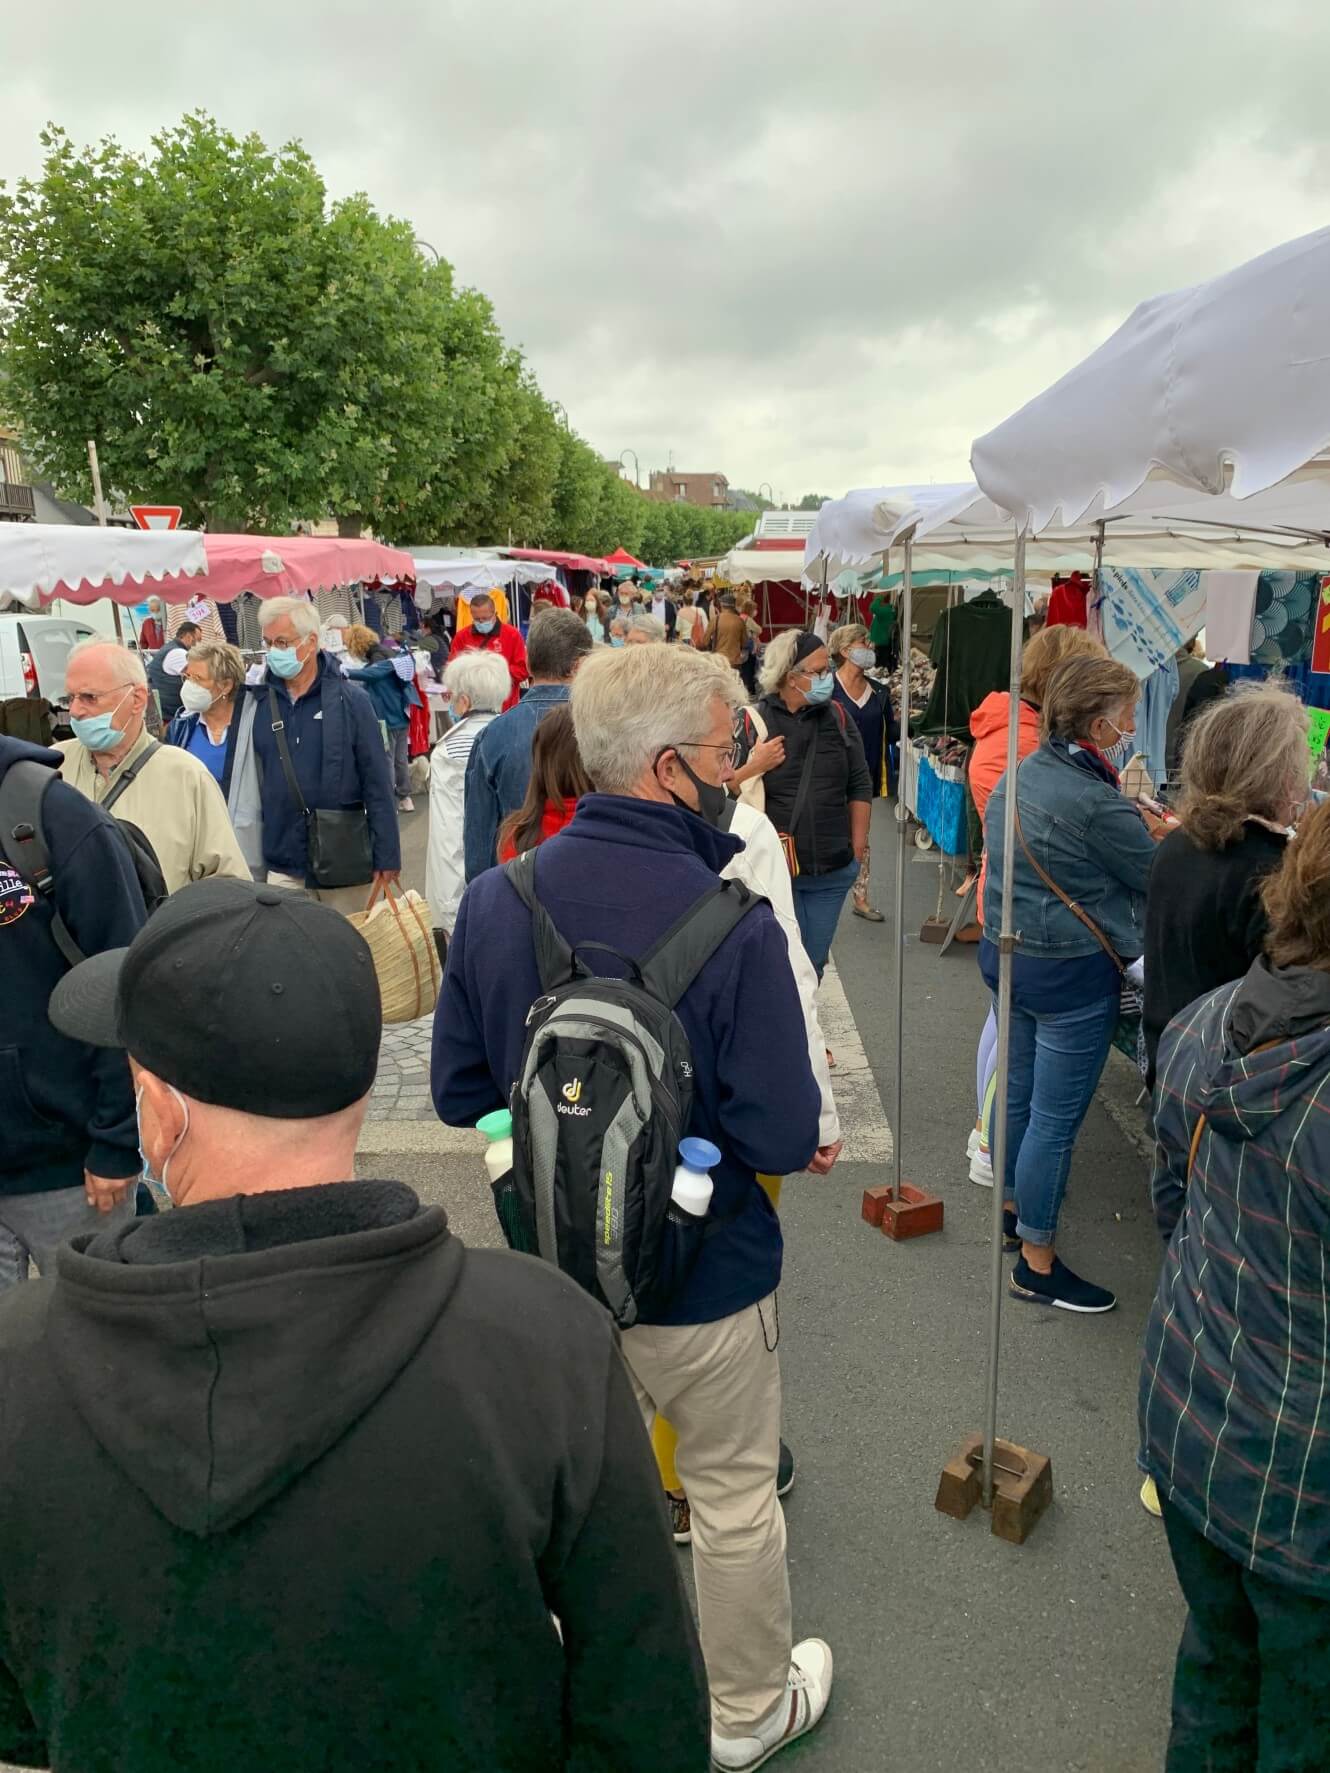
(401, 1090)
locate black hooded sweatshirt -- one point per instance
(295, 1481)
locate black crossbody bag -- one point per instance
(337, 837)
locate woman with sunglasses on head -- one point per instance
(801, 760)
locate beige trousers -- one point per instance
(343, 899)
(719, 1384)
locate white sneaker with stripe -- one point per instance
(807, 1691)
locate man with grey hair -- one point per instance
(499, 766)
(113, 760)
(654, 729)
(312, 725)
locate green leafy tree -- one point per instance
(238, 347)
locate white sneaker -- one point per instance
(406, 806)
(981, 1168)
(976, 1139)
(807, 1691)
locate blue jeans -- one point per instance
(1056, 1062)
(818, 899)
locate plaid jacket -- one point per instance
(1235, 1379)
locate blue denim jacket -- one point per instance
(1088, 839)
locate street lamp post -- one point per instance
(771, 497)
(637, 467)
(424, 246)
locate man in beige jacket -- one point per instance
(113, 760)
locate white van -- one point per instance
(33, 652)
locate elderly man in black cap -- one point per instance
(291, 1479)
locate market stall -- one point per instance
(1213, 400)
(448, 577)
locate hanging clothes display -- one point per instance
(1281, 630)
(1230, 603)
(1158, 697)
(1067, 601)
(971, 654)
(1149, 613)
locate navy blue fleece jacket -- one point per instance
(634, 867)
(64, 1107)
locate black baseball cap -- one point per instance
(249, 997)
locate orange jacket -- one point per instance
(988, 760)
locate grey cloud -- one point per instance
(812, 245)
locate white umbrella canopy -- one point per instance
(1160, 525)
(1223, 388)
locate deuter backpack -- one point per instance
(23, 840)
(600, 1103)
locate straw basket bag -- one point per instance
(406, 961)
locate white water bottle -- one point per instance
(693, 1186)
(498, 1131)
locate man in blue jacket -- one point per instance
(69, 1149)
(654, 727)
(499, 767)
(332, 734)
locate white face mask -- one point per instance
(195, 698)
(862, 656)
(180, 1139)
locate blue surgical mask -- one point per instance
(284, 661)
(485, 627)
(96, 730)
(617, 640)
(820, 688)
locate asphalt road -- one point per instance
(954, 1650)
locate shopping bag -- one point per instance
(396, 926)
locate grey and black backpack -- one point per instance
(601, 1102)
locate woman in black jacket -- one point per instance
(1244, 780)
(1235, 1378)
(802, 761)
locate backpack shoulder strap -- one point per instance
(670, 965)
(128, 775)
(23, 841)
(554, 958)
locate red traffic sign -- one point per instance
(156, 516)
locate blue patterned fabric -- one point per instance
(1281, 632)
(1149, 613)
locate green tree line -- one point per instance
(242, 347)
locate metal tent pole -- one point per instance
(902, 853)
(1006, 948)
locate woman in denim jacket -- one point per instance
(1096, 847)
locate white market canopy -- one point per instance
(1161, 525)
(761, 566)
(1221, 391)
(478, 571)
(44, 560)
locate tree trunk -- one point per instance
(351, 527)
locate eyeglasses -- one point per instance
(94, 698)
(734, 750)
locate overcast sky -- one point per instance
(820, 245)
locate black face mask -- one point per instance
(712, 800)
